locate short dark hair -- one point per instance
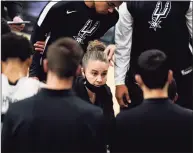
(153, 68)
(64, 56)
(4, 27)
(15, 46)
(172, 90)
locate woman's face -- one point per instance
(96, 72)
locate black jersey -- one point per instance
(161, 25)
(68, 19)
(144, 25)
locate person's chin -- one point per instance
(102, 12)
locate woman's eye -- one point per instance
(94, 73)
(104, 74)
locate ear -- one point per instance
(78, 70)
(30, 61)
(170, 76)
(83, 72)
(139, 80)
(45, 65)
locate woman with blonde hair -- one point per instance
(91, 86)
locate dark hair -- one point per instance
(153, 68)
(172, 90)
(4, 27)
(64, 56)
(15, 46)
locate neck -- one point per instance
(56, 83)
(155, 93)
(89, 4)
(14, 70)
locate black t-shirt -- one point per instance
(104, 100)
(68, 19)
(53, 121)
(155, 126)
(163, 26)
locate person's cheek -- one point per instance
(90, 78)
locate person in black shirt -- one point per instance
(55, 120)
(156, 125)
(83, 21)
(14, 12)
(164, 25)
(91, 86)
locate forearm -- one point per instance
(123, 41)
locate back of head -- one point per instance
(153, 68)
(15, 46)
(4, 27)
(95, 51)
(64, 56)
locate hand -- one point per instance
(120, 92)
(17, 27)
(110, 52)
(39, 46)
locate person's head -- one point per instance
(153, 71)
(172, 91)
(15, 49)
(95, 64)
(63, 58)
(4, 27)
(105, 7)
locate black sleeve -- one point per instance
(45, 23)
(14, 8)
(40, 30)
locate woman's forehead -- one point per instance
(97, 65)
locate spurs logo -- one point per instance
(159, 14)
(87, 30)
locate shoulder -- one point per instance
(78, 81)
(78, 85)
(135, 112)
(4, 80)
(58, 5)
(87, 109)
(22, 110)
(28, 87)
(183, 111)
(108, 90)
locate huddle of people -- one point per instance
(68, 107)
(74, 113)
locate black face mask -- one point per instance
(92, 87)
